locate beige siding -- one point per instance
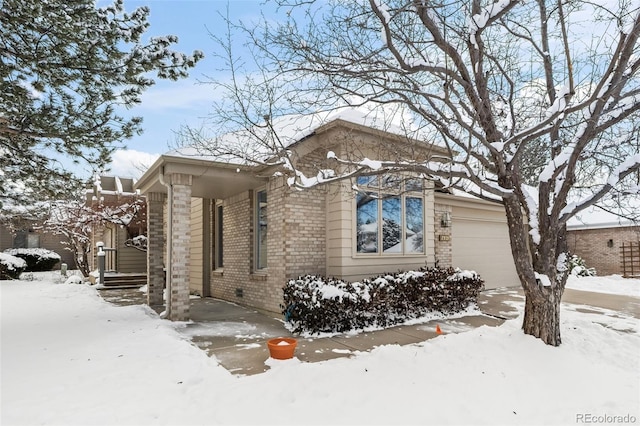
(429, 221)
(339, 223)
(197, 254)
(313, 232)
(342, 259)
(54, 243)
(128, 258)
(6, 238)
(47, 241)
(125, 259)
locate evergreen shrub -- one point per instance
(11, 266)
(38, 259)
(579, 267)
(314, 304)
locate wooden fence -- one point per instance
(630, 253)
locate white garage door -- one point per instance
(482, 245)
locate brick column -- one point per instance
(180, 246)
(155, 248)
(444, 254)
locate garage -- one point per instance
(480, 241)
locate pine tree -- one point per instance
(66, 67)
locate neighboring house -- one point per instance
(238, 232)
(116, 191)
(598, 238)
(29, 236)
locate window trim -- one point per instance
(382, 194)
(257, 245)
(219, 237)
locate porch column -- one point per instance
(180, 245)
(155, 248)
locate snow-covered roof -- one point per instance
(113, 185)
(473, 187)
(596, 218)
(237, 147)
(256, 149)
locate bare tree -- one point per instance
(537, 103)
(73, 221)
(76, 222)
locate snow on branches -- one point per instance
(77, 221)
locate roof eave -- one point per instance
(165, 162)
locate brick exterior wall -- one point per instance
(443, 242)
(180, 247)
(270, 289)
(295, 244)
(592, 245)
(155, 248)
(237, 233)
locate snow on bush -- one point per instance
(579, 267)
(139, 242)
(317, 304)
(74, 279)
(38, 259)
(11, 266)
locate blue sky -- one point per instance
(168, 105)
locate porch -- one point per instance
(108, 275)
(171, 185)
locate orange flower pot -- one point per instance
(282, 347)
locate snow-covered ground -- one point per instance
(611, 284)
(70, 358)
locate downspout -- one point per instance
(169, 244)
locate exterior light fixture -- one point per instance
(445, 221)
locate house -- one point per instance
(22, 228)
(606, 242)
(29, 235)
(237, 232)
(112, 196)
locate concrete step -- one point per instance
(115, 280)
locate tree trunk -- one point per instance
(542, 304)
(542, 314)
(82, 259)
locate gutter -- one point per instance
(603, 225)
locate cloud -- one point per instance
(172, 95)
(131, 163)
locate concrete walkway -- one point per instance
(237, 336)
